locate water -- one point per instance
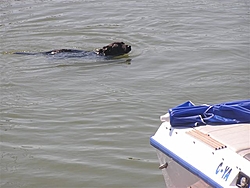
(86, 122)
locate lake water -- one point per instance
(87, 122)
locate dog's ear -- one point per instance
(99, 51)
(107, 50)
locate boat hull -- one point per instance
(196, 155)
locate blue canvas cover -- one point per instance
(189, 115)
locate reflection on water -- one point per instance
(87, 123)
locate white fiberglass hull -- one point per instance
(216, 155)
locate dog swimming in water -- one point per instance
(111, 50)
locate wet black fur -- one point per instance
(113, 49)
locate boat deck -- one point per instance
(236, 137)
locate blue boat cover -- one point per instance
(189, 115)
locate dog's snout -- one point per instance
(128, 48)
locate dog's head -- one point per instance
(114, 49)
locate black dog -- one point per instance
(113, 49)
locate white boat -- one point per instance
(204, 156)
